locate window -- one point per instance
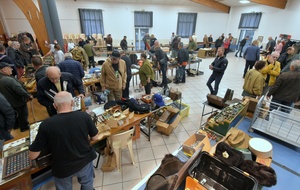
(143, 19)
(186, 24)
(91, 21)
(250, 20)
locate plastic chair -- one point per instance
(119, 141)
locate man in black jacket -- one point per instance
(242, 44)
(162, 60)
(125, 92)
(218, 67)
(123, 44)
(182, 58)
(286, 89)
(56, 81)
(16, 94)
(17, 57)
(7, 119)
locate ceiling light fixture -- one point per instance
(244, 1)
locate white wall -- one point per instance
(118, 19)
(273, 22)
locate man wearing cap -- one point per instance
(113, 76)
(54, 82)
(16, 94)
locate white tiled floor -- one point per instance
(147, 154)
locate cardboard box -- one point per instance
(252, 104)
(192, 144)
(166, 128)
(184, 108)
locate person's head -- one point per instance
(152, 36)
(5, 68)
(63, 101)
(26, 40)
(247, 37)
(156, 44)
(269, 38)
(115, 57)
(87, 41)
(57, 47)
(220, 38)
(9, 43)
(178, 39)
(191, 38)
(290, 50)
(210, 35)
(255, 42)
(278, 41)
(125, 37)
(295, 65)
(259, 65)
(122, 52)
(53, 73)
(2, 49)
(173, 34)
(205, 35)
(222, 34)
(143, 56)
(37, 61)
(180, 45)
(68, 55)
(15, 44)
(275, 55)
(220, 52)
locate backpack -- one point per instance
(134, 106)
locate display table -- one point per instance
(205, 52)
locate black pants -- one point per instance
(248, 66)
(148, 88)
(109, 48)
(125, 92)
(22, 117)
(92, 62)
(240, 50)
(163, 69)
(217, 78)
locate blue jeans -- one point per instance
(85, 177)
(217, 78)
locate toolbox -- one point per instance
(211, 173)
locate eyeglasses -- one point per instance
(275, 57)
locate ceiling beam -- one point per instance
(214, 5)
(272, 3)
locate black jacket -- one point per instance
(7, 115)
(17, 57)
(123, 44)
(183, 56)
(219, 65)
(15, 92)
(286, 87)
(243, 42)
(44, 85)
(128, 65)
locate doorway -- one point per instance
(139, 35)
(243, 34)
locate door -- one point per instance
(139, 35)
(243, 34)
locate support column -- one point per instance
(52, 21)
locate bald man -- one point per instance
(54, 82)
(67, 135)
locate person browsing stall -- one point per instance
(54, 82)
(67, 136)
(146, 74)
(113, 76)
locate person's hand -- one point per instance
(211, 67)
(123, 87)
(140, 85)
(103, 88)
(81, 95)
(268, 97)
(148, 80)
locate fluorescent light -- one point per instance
(244, 1)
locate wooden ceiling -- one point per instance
(222, 6)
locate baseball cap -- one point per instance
(158, 100)
(115, 54)
(3, 64)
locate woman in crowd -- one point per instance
(146, 74)
(58, 54)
